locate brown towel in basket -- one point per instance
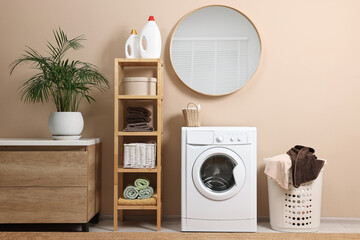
(305, 165)
(140, 111)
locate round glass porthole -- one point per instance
(217, 173)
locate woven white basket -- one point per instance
(139, 155)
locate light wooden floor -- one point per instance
(171, 236)
(330, 229)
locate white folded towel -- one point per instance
(277, 168)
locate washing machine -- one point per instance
(218, 179)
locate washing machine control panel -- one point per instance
(230, 137)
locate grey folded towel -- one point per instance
(136, 115)
(139, 111)
(131, 119)
(138, 127)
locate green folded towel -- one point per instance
(146, 193)
(141, 183)
(130, 192)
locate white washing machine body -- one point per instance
(218, 179)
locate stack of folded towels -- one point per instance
(138, 120)
(140, 190)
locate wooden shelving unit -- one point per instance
(120, 137)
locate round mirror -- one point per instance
(215, 50)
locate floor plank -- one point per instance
(171, 236)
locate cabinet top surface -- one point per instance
(47, 142)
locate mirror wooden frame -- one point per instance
(185, 17)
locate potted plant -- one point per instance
(65, 82)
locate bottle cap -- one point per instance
(133, 31)
(151, 18)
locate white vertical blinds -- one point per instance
(215, 66)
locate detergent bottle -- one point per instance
(150, 40)
(132, 45)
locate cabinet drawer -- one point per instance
(43, 168)
(43, 204)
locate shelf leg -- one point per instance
(159, 203)
(158, 219)
(115, 221)
(121, 189)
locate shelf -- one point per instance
(154, 133)
(137, 170)
(138, 62)
(122, 101)
(137, 207)
(139, 97)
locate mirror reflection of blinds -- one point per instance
(211, 65)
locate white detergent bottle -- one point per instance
(150, 40)
(132, 45)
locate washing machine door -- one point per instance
(218, 173)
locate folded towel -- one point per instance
(146, 193)
(139, 110)
(141, 183)
(138, 127)
(133, 129)
(135, 115)
(147, 201)
(130, 192)
(305, 165)
(130, 119)
(277, 168)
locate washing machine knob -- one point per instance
(219, 139)
(232, 139)
(239, 139)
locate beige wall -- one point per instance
(306, 90)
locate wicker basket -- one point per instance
(139, 155)
(192, 116)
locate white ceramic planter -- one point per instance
(66, 125)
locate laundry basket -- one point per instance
(295, 209)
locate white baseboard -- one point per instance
(260, 218)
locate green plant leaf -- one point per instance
(65, 82)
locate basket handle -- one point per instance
(193, 104)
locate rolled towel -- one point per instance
(141, 183)
(130, 192)
(146, 193)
